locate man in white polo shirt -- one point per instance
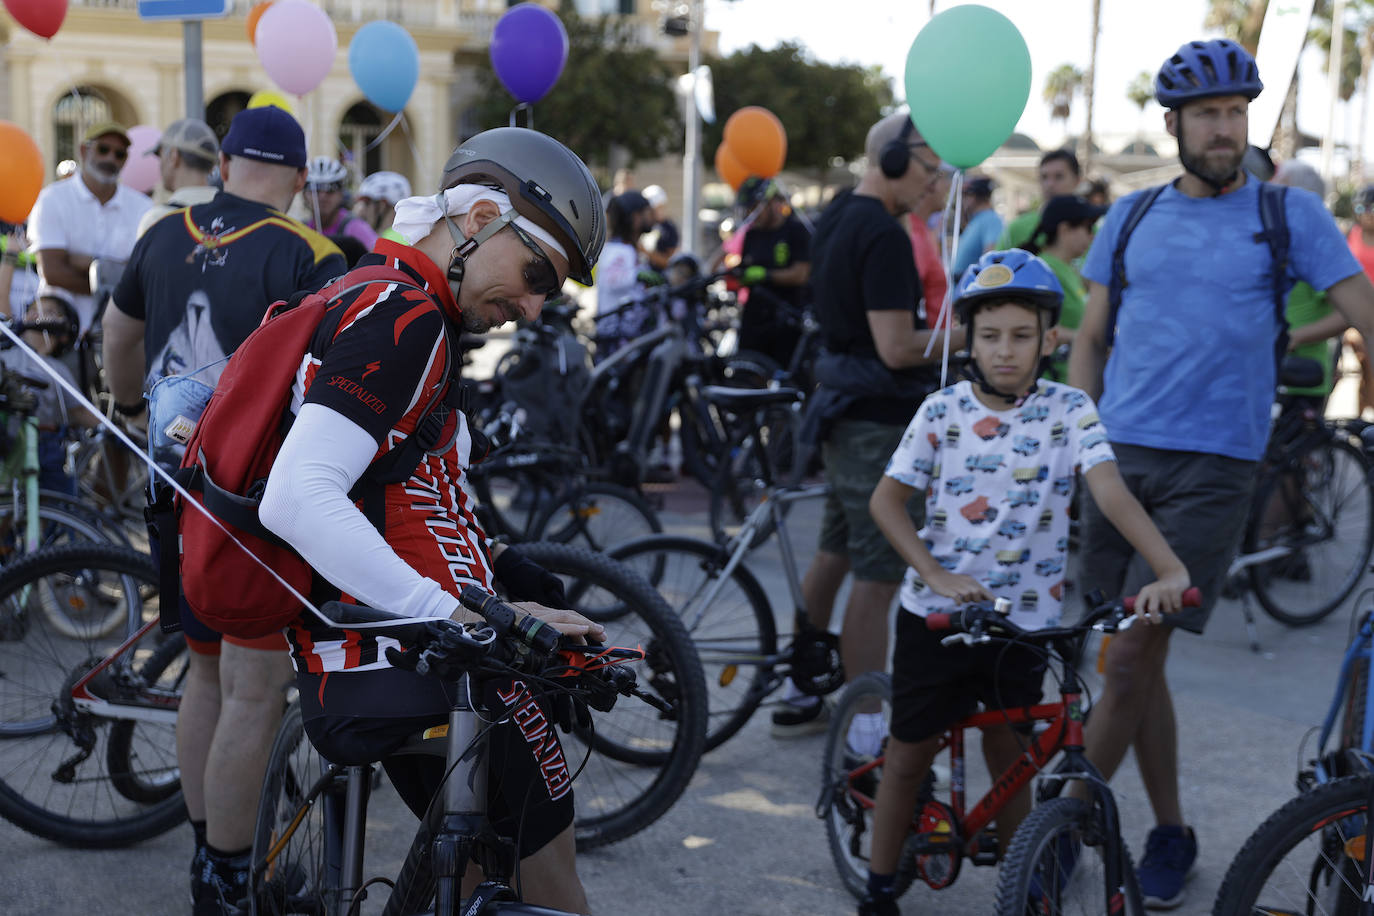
(88, 217)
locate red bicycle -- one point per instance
(1067, 856)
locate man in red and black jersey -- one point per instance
(482, 252)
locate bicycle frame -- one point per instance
(1361, 648)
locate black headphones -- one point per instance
(895, 157)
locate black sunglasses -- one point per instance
(539, 273)
(119, 152)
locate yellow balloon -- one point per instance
(264, 97)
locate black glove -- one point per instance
(570, 712)
(526, 580)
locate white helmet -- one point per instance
(388, 186)
(324, 170)
(655, 195)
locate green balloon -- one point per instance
(968, 77)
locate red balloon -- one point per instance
(41, 17)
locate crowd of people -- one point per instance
(1076, 316)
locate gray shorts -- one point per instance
(856, 454)
(1199, 502)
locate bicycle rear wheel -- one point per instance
(846, 801)
(1057, 863)
(638, 760)
(61, 525)
(1324, 516)
(86, 777)
(596, 515)
(734, 631)
(293, 870)
(1306, 857)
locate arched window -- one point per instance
(361, 125)
(72, 115)
(222, 109)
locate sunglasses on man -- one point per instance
(539, 274)
(120, 153)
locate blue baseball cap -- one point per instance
(267, 134)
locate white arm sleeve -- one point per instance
(306, 504)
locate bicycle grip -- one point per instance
(507, 621)
(941, 621)
(1192, 597)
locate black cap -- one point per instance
(631, 202)
(1068, 208)
(979, 187)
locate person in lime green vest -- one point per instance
(1314, 327)
(1063, 235)
(1059, 175)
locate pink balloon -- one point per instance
(142, 171)
(296, 44)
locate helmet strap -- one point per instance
(463, 247)
(974, 372)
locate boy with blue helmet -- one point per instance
(1009, 302)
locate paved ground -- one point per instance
(745, 840)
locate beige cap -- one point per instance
(190, 135)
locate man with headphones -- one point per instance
(873, 373)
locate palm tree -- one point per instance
(1085, 146)
(1061, 85)
(1141, 92)
(1239, 20)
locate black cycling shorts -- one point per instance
(530, 796)
(934, 685)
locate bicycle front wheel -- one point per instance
(79, 773)
(637, 759)
(597, 516)
(1057, 863)
(1322, 514)
(1307, 857)
(728, 618)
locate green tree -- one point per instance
(1061, 85)
(1141, 91)
(613, 94)
(826, 109)
(1238, 20)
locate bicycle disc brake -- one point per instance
(935, 849)
(816, 666)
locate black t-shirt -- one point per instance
(788, 244)
(861, 262)
(201, 278)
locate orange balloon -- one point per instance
(253, 16)
(21, 173)
(729, 168)
(758, 140)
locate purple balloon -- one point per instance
(529, 47)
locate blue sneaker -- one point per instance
(1169, 856)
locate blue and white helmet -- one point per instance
(1010, 274)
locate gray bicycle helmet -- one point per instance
(545, 181)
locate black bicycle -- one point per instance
(308, 845)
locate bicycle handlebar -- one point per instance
(981, 620)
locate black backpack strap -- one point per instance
(1274, 233)
(1117, 287)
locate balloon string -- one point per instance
(410, 141)
(386, 132)
(528, 109)
(948, 246)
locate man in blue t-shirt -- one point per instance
(1185, 396)
(981, 230)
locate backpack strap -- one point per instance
(1117, 287)
(1274, 233)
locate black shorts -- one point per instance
(529, 794)
(934, 686)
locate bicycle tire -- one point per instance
(847, 821)
(596, 515)
(1331, 550)
(76, 777)
(737, 623)
(638, 761)
(1295, 861)
(60, 527)
(296, 879)
(1037, 864)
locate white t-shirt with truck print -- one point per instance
(998, 486)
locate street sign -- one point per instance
(183, 9)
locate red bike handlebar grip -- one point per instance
(938, 621)
(1191, 598)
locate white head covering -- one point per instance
(416, 216)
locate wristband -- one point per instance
(130, 410)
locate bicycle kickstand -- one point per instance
(1250, 627)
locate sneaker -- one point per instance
(794, 720)
(1169, 855)
(878, 906)
(219, 887)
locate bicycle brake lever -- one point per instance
(967, 639)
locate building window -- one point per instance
(222, 109)
(605, 7)
(72, 115)
(362, 124)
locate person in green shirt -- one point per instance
(1059, 175)
(1064, 234)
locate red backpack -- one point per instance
(225, 468)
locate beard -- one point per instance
(1212, 164)
(101, 173)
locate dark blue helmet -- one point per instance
(1206, 69)
(1011, 274)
